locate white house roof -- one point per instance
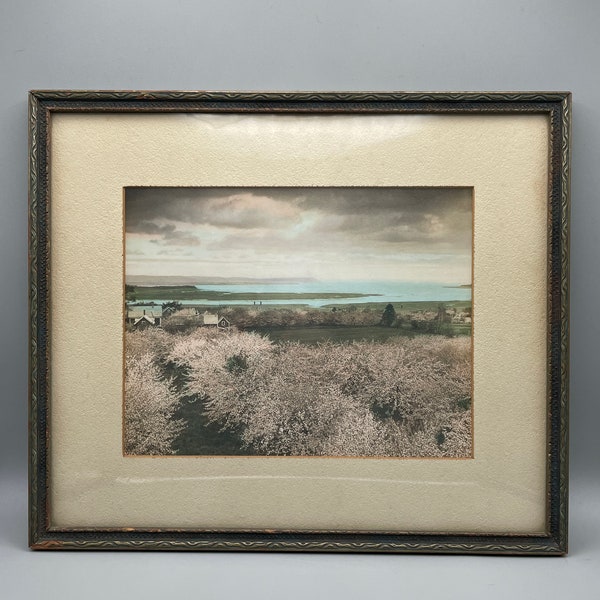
(210, 319)
(144, 318)
(134, 312)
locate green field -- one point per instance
(313, 335)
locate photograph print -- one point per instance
(304, 321)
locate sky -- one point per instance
(374, 233)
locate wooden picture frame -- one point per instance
(508, 494)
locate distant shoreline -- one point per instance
(400, 307)
(190, 292)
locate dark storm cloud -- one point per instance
(167, 234)
(239, 208)
(367, 201)
(419, 217)
(398, 215)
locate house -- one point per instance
(212, 320)
(146, 321)
(144, 316)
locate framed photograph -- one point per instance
(299, 321)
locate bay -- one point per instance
(375, 291)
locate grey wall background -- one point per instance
(299, 45)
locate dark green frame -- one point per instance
(556, 105)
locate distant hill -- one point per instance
(178, 280)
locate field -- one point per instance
(313, 335)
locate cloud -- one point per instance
(398, 215)
(167, 234)
(414, 213)
(177, 238)
(294, 225)
(237, 208)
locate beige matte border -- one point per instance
(505, 159)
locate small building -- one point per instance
(210, 320)
(224, 323)
(213, 320)
(144, 316)
(146, 321)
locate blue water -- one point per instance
(379, 291)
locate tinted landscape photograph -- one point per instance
(298, 322)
